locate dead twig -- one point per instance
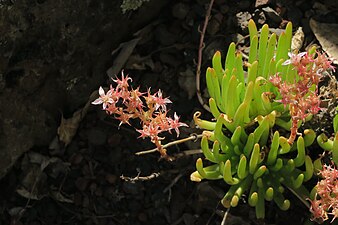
(139, 178)
(193, 137)
(225, 217)
(173, 182)
(199, 62)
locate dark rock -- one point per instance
(272, 14)
(244, 4)
(215, 24)
(203, 2)
(177, 205)
(260, 3)
(169, 59)
(224, 8)
(96, 136)
(180, 10)
(134, 206)
(111, 178)
(81, 183)
(142, 217)
(259, 16)
(294, 14)
(220, 2)
(114, 140)
(132, 188)
(76, 159)
(164, 37)
(53, 54)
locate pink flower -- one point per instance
(123, 82)
(276, 80)
(104, 99)
(151, 131)
(326, 202)
(175, 124)
(124, 118)
(294, 58)
(318, 213)
(323, 62)
(298, 93)
(112, 109)
(159, 101)
(126, 103)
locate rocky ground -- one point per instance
(49, 70)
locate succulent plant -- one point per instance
(246, 144)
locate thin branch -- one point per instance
(138, 178)
(193, 137)
(173, 182)
(199, 62)
(225, 217)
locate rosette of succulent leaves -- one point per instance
(253, 143)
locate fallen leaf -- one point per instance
(33, 184)
(136, 62)
(16, 211)
(327, 35)
(23, 192)
(124, 52)
(68, 127)
(125, 49)
(60, 197)
(297, 40)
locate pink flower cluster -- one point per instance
(301, 94)
(326, 200)
(126, 103)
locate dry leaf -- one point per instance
(68, 127)
(60, 197)
(33, 184)
(136, 62)
(23, 192)
(125, 50)
(297, 40)
(327, 35)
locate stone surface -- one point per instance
(53, 54)
(272, 14)
(260, 3)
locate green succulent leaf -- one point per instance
(335, 149)
(217, 65)
(335, 122)
(300, 158)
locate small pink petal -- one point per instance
(101, 91)
(97, 101)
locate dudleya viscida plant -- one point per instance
(325, 201)
(125, 103)
(254, 144)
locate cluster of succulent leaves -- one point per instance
(246, 145)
